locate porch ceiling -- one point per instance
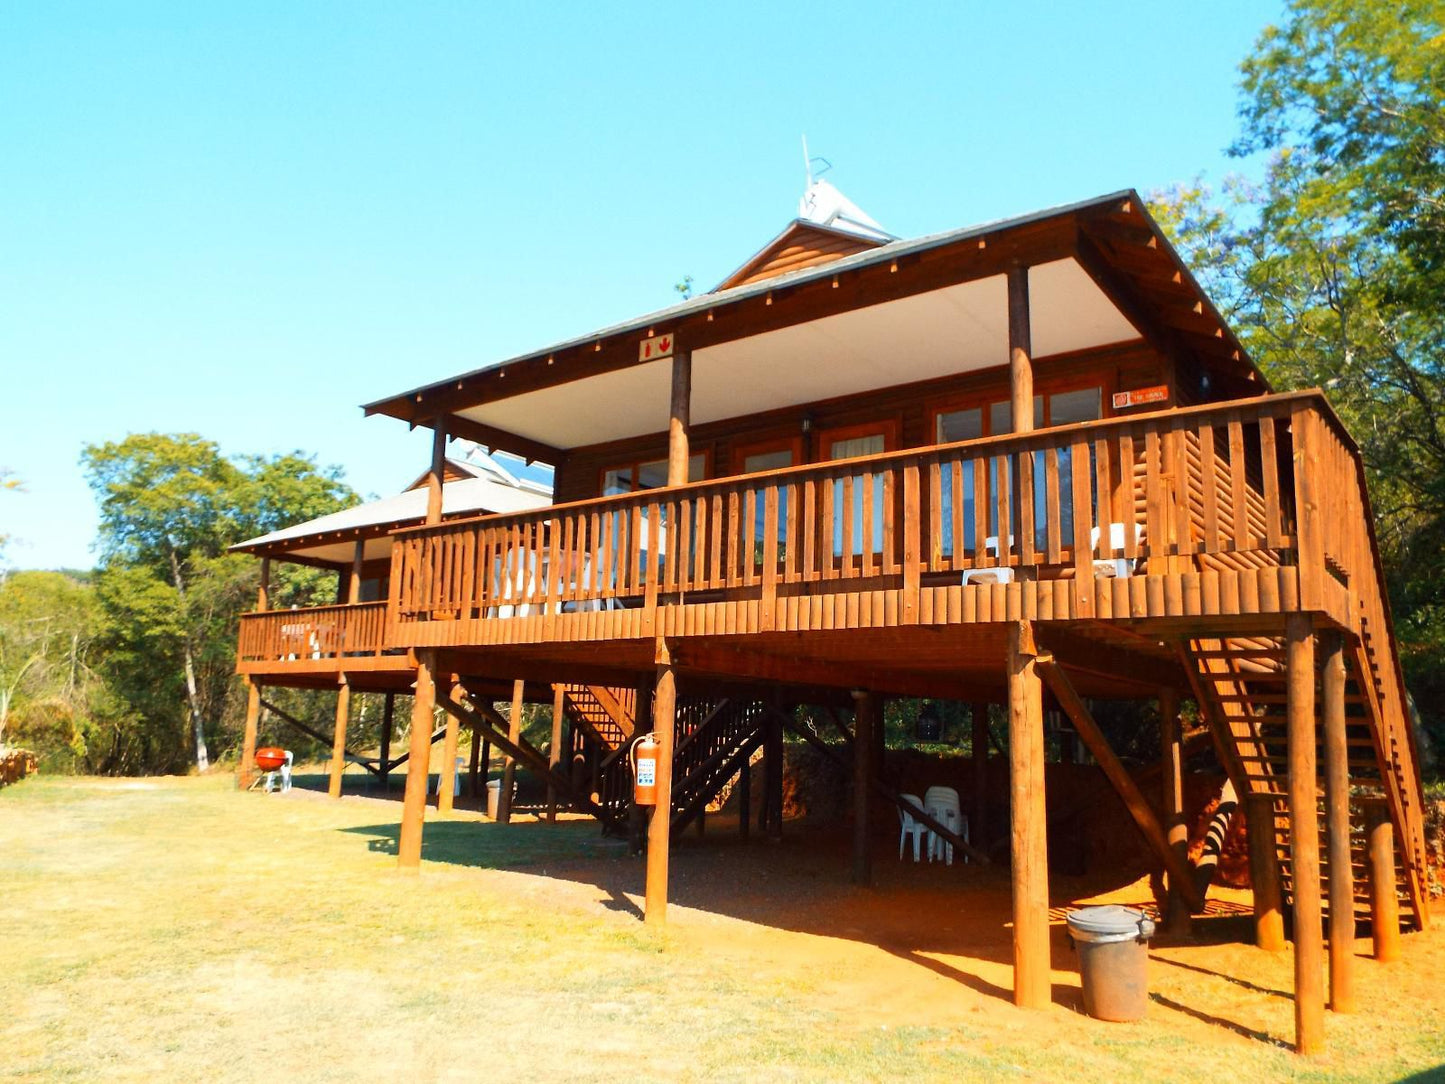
(956, 329)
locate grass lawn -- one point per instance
(174, 930)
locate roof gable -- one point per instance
(800, 245)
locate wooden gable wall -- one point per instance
(799, 246)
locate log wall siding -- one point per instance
(910, 406)
(798, 248)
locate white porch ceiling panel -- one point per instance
(953, 330)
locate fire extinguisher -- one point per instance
(644, 770)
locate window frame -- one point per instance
(636, 461)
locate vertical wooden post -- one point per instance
(1028, 831)
(745, 798)
(1171, 747)
(474, 767)
(865, 722)
(554, 751)
(1384, 903)
(437, 472)
(1020, 350)
(486, 770)
(775, 777)
(353, 585)
(509, 763)
(679, 418)
(1337, 825)
(1264, 872)
(978, 829)
(388, 718)
(263, 592)
(418, 765)
(447, 773)
(659, 830)
(1304, 835)
(338, 740)
(247, 773)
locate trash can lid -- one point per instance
(1111, 920)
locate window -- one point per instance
(635, 477)
(872, 439)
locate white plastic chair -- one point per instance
(1002, 574)
(942, 804)
(1115, 566)
(910, 827)
(456, 780)
(284, 772)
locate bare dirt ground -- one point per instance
(173, 929)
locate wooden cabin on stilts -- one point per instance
(1024, 465)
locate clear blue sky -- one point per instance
(244, 220)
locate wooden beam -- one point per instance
(1117, 288)
(1020, 350)
(1175, 862)
(1337, 827)
(1171, 766)
(509, 763)
(436, 473)
(1264, 876)
(246, 775)
(554, 750)
(1304, 835)
(534, 451)
(447, 774)
(338, 740)
(864, 725)
(679, 418)
(659, 830)
(413, 803)
(1384, 903)
(1029, 835)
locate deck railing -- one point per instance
(1211, 484)
(323, 632)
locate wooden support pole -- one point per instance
(1176, 863)
(338, 740)
(978, 829)
(388, 720)
(353, 583)
(745, 798)
(1177, 917)
(659, 829)
(447, 773)
(1028, 836)
(418, 765)
(509, 762)
(1020, 350)
(474, 767)
(679, 418)
(263, 592)
(436, 473)
(1264, 872)
(247, 773)
(554, 751)
(865, 715)
(1384, 903)
(1304, 835)
(775, 777)
(1337, 827)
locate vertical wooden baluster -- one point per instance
(865, 543)
(1083, 509)
(1053, 511)
(790, 544)
(810, 529)
(1127, 513)
(890, 531)
(980, 510)
(1024, 461)
(770, 558)
(912, 544)
(935, 515)
(847, 513)
(1242, 539)
(1156, 533)
(1103, 490)
(956, 483)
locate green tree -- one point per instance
(170, 505)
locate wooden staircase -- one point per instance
(1241, 686)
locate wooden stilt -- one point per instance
(1028, 833)
(486, 771)
(1384, 903)
(865, 722)
(1177, 919)
(978, 827)
(745, 798)
(246, 775)
(474, 767)
(1264, 872)
(509, 763)
(1304, 836)
(447, 774)
(338, 741)
(1337, 825)
(659, 830)
(388, 720)
(554, 751)
(775, 778)
(1020, 343)
(436, 472)
(418, 765)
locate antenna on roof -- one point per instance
(808, 164)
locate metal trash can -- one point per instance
(1113, 947)
(494, 797)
